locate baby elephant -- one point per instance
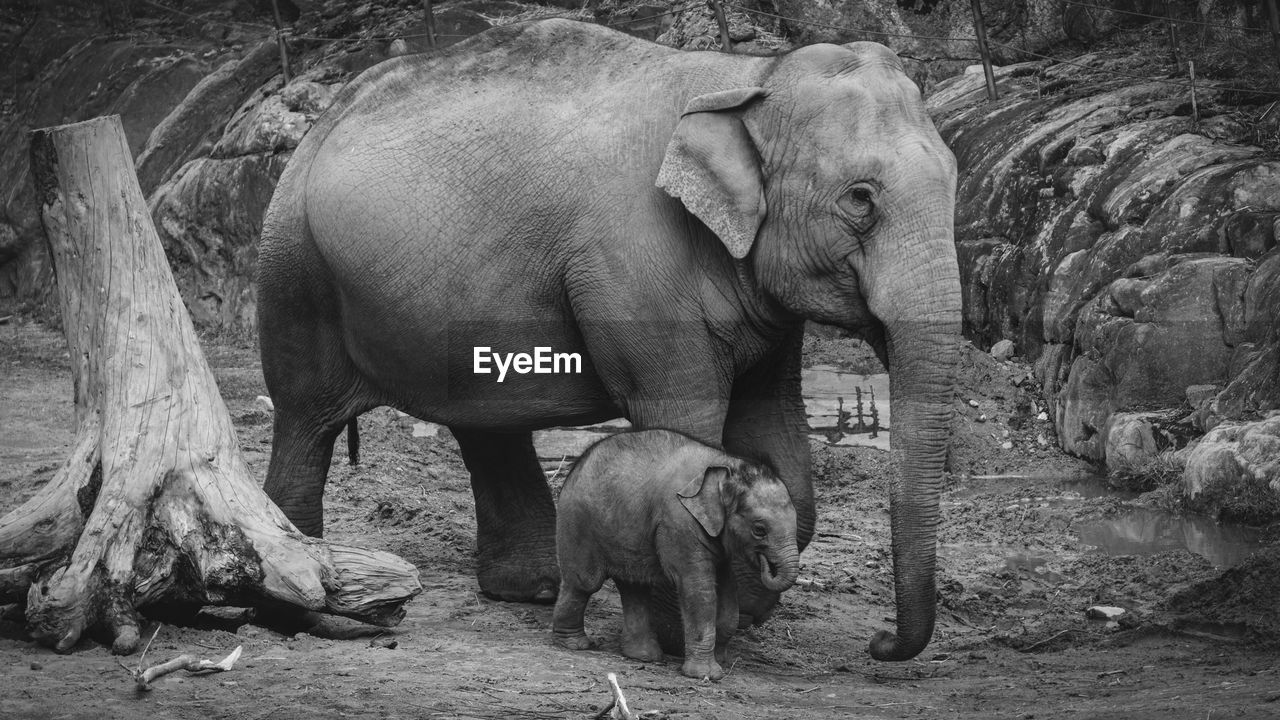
(645, 505)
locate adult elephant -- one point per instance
(670, 217)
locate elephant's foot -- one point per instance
(514, 581)
(702, 670)
(644, 649)
(579, 641)
(722, 654)
(515, 516)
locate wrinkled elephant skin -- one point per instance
(650, 505)
(669, 218)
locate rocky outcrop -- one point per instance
(210, 129)
(1126, 248)
(140, 82)
(209, 214)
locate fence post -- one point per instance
(284, 52)
(980, 30)
(1173, 32)
(725, 43)
(430, 14)
(1195, 106)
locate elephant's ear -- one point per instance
(713, 167)
(702, 498)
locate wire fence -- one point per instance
(583, 14)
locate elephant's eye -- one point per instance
(759, 530)
(858, 208)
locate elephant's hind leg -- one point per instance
(638, 639)
(312, 382)
(515, 516)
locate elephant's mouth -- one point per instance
(767, 568)
(772, 576)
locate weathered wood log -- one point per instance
(155, 503)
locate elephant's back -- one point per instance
(541, 56)
(655, 456)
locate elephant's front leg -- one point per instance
(766, 419)
(515, 516)
(726, 611)
(696, 588)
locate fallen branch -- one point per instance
(190, 663)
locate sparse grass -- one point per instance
(1163, 470)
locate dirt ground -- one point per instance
(1013, 639)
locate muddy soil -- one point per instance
(1013, 639)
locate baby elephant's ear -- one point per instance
(701, 497)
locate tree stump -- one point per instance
(155, 504)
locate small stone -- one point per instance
(1043, 416)
(873, 564)
(1042, 441)
(1002, 350)
(1104, 612)
(982, 417)
(973, 403)
(229, 683)
(37, 665)
(266, 403)
(1006, 445)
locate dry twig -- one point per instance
(190, 663)
(617, 709)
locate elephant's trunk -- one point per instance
(923, 350)
(779, 569)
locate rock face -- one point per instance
(140, 82)
(1128, 250)
(209, 213)
(210, 129)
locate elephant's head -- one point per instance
(749, 509)
(830, 185)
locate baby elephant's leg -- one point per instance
(638, 639)
(698, 610)
(576, 588)
(726, 612)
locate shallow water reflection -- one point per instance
(1142, 531)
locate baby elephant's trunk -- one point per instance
(779, 567)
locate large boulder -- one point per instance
(209, 214)
(1234, 470)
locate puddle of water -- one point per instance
(1142, 531)
(847, 408)
(1145, 531)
